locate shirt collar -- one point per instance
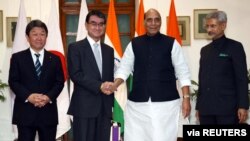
(41, 52)
(219, 42)
(91, 41)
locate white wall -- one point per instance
(36, 9)
(238, 23)
(237, 27)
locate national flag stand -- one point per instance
(116, 132)
(112, 39)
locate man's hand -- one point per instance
(44, 100)
(38, 100)
(242, 115)
(197, 115)
(186, 107)
(34, 98)
(108, 88)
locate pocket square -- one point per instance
(223, 55)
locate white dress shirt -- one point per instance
(34, 56)
(179, 63)
(92, 42)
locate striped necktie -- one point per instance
(38, 66)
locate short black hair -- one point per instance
(36, 23)
(95, 13)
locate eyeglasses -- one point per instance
(94, 24)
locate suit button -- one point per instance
(208, 89)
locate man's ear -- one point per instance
(86, 25)
(27, 37)
(224, 25)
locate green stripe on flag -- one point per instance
(118, 115)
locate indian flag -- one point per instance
(173, 31)
(112, 39)
(140, 30)
(172, 25)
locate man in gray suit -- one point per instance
(90, 65)
(223, 90)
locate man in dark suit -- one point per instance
(90, 65)
(223, 84)
(36, 78)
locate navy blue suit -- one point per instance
(88, 103)
(23, 81)
(223, 83)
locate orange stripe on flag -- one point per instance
(113, 40)
(112, 29)
(172, 26)
(140, 29)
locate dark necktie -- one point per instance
(38, 66)
(98, 57)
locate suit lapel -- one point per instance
(46, 61)
(104, 60)
(90, 53)
(30, 63)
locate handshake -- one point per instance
(108, 87)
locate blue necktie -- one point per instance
(98, 57)
(38, 66)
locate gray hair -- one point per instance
(221, 16)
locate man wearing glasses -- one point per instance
(91, 66)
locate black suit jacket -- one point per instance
(23, 81)
(223, 83)
(87, 99)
